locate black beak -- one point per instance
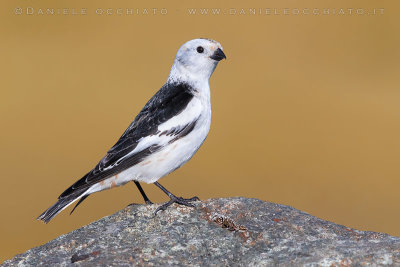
(218, 55)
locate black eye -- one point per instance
(200, 49)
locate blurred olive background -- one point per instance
(305, 109)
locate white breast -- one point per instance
(174, 155)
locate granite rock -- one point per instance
(218, 232)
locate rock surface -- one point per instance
(232, 232)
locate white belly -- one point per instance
(170, 157)
(166, 160)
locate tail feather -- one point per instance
(60, 205)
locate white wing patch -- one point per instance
(167, 158)
(187, 116)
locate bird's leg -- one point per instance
(174, 199)
(146, 199)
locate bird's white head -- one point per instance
(196, 60)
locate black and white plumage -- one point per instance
(164, 135)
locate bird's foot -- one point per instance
(148, 202)
(178, 200)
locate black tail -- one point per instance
(61, 204)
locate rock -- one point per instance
(232, 231)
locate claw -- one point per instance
(180, 201)
(193, 199)
(174, 199)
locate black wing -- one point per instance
(168, 102)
